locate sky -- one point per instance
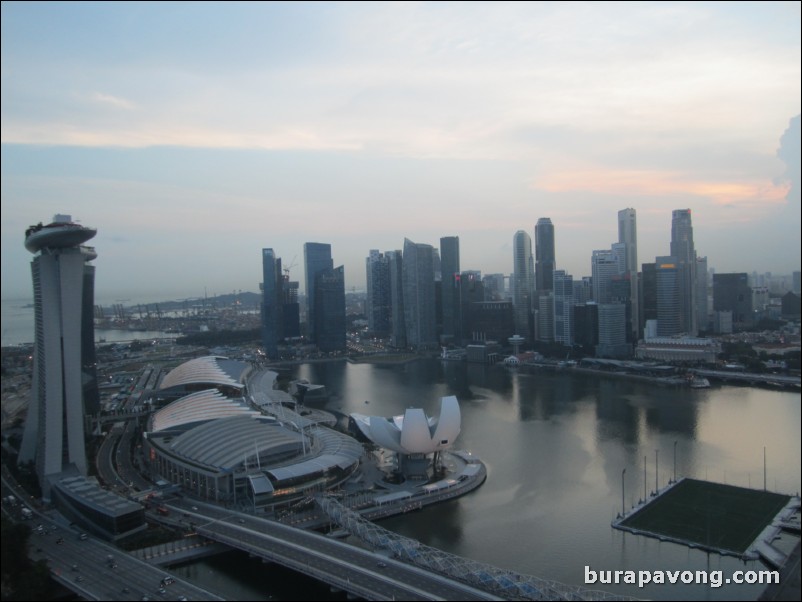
(192, 135)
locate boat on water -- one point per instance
(699, 382)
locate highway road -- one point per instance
(92, 568)
(356, 570)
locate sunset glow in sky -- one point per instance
(192, 135)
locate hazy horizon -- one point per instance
(194, 135)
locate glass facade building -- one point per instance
(317, 257)
(545, 260)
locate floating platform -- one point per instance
(730, 520)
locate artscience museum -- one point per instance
(416, 438)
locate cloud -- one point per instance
(789, 153)
(416, 80)
(114, 101)
(637, 184)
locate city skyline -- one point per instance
(265, 126)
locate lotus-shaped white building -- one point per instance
(414, 433)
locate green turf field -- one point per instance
(715, 516)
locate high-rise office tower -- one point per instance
(290, 310)
(667, 272)
(398, 323)
(586, 325)
(731, 292)
(583, 290)
(612, 331)
(470, 293)
(628, 236)
(490, 321)
(377, 300)
(330, 309)
(683, 251)
(702, 294)
(563, 308)
(272, 302)
(545, 316)
(647, 285)
(494, 287)
(523, 281)
(545, 262)
(63, 284)
(449, 269)
(317, 257)
(604, 266)
(419, 296)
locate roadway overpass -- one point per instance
(752, 378)
(358, 571)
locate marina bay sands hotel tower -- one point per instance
(64, 375)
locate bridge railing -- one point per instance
(504, 583)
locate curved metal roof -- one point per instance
(227, 443)
(209, 369)
(338, 450)
(199, 407)
(413, 433)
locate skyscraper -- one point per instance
(449, 267)
(523, 281)
(398, 323)
(63, 285)
(731, 292)
(583, 290)
(586, 325)
(604, 266)
(683, 251)
(330, 309)
(612, 331)
(470, 293)
(563, 308)
(290, 309)
(419, 296)
(545, 317)
(647, 285)
(272, 302)
(702, 294)
(377, 300)
(317, 257)
(545, 262)
(667, 272)
(628, 236)
(494, 287)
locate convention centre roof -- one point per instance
(213, 370)
(199, 407)
(227, 443)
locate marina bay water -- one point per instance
(556, 445)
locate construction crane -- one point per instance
(289, 267)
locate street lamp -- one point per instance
(656, 471)
(675, 461)
(645, 497)
(623, 505)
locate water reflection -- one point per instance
(555, 445)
